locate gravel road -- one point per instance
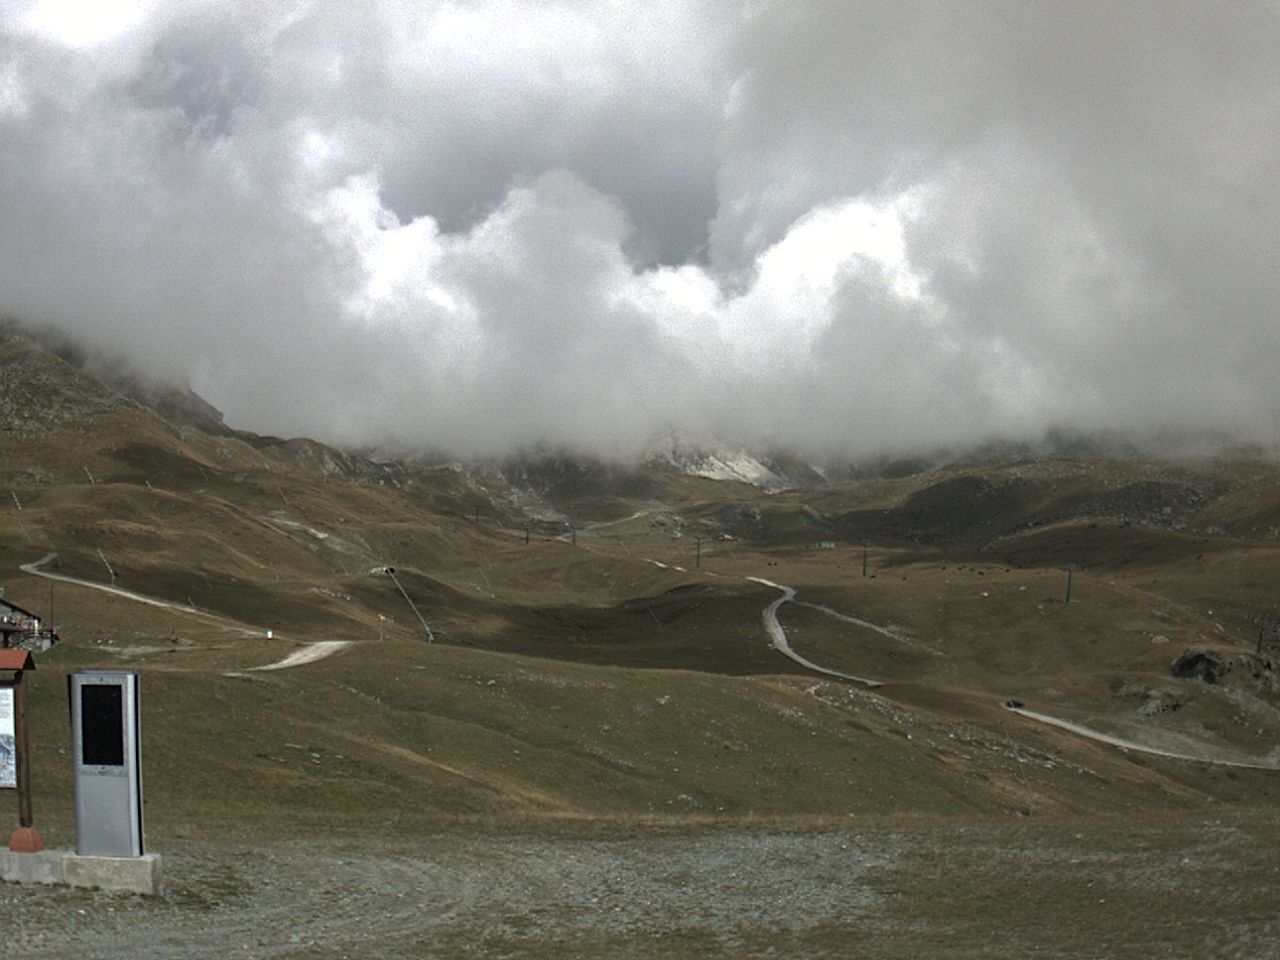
(1193, 887)
(455, 894)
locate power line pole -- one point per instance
(1267, 624)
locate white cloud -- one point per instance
(478, 226)
(85, 23)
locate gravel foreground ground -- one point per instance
(1194, 888)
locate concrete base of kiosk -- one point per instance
(132, 874)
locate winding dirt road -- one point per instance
(778, 636)
(1124, 744)
(308, 653)
(35, 570)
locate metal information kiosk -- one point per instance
(107, 757)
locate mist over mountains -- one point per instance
(843, 233)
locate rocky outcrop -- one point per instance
(1198, 663)
(1150, 701)
(40, 393)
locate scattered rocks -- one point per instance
(1150, 701)
(1263, 669)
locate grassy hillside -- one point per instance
(601, 671)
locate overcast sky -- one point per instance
(842, 227)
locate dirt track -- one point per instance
(778, 636)
(309, 653)
(35, 570)
(1126, 744)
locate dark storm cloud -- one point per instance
(839, 227)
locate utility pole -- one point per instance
(1069, 571)
(573, 535)
(865, 544)
(698, 540)
(527, 525)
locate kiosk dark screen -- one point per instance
(102, 724)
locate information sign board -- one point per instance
(8, 741)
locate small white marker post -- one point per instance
(1070, 568)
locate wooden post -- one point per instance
(24, 754)
(699, 541)
(865, 544)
